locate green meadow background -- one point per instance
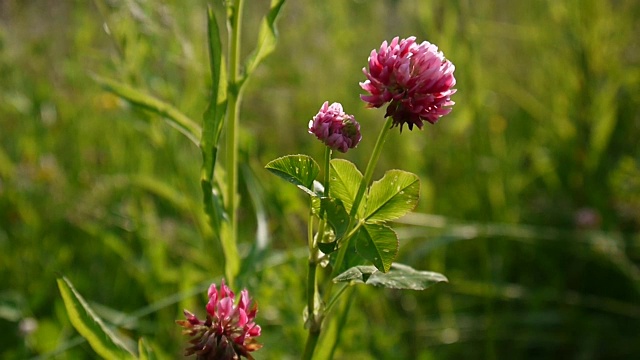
(530, 188)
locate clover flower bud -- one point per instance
(335, 128)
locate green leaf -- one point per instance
(173, 116)
(379, 244)
(145, 352)
(89, 325)
(399, 277)
(351, 257)
(392, 196)
(299, 170)
(267, 38)
(338, 220)
(316, 205)
(337, 216)
(328, 247)
(257, 197)
(213, 121)
(345, 179)
(217, 107)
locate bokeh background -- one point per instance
(530, 195)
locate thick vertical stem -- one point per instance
(311, 273)
(327, 164)
(315, 318)
(232, 124)
(312, 341)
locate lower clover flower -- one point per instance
(229, 330)
(415, 79)
(335, 128)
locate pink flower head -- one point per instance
(229, 330)
(415, 79)
(335, 128)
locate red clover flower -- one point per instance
(335, 128)
(415, 79)
(229, 331)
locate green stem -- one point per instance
(312, 341)
(368, 173)
(366, 179)
(232, 125)
(342, 321)
(315, 319)
(311, 273)
(327, 164)
(323, 223)
(335, 297)
(353, 226)
(232, 179)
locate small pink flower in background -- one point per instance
(229, 330)
(335, 128)
(415, 79)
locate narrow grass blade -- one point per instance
(267, 38)
(89, 325)
(145, 352)
(212, 126)
(256, 194)
(216, 110)
(138, 98)
(213, 121)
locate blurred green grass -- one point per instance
(532, 181)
